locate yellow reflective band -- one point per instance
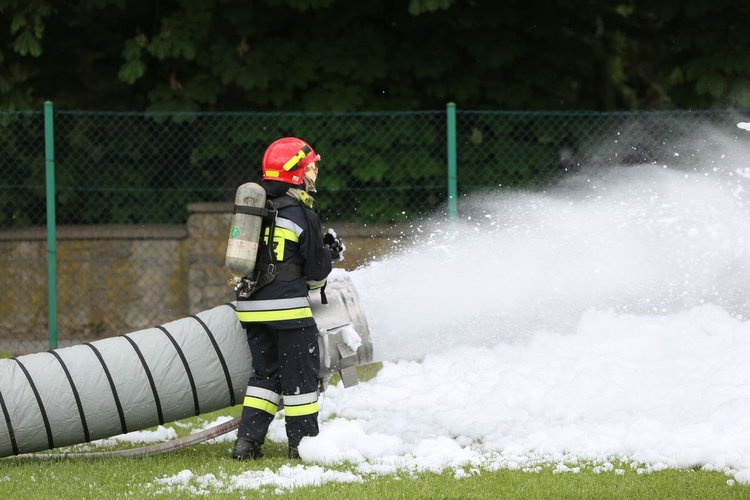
(280, 315)
(280, 236)
(281, 232)
(286, 224)
(279, 248)
(260, 404)
(301, 410)
(294, 160)
(272, 173)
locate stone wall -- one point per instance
(118, 279)
(110, 279)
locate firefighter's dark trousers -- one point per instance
(286, 365)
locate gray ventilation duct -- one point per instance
(194, 365)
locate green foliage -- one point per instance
(417, 7)
(132, 71)
(333, 55)
(711, 83)
(146, 168)
(27, 41)
(138, 168)
(133, 68)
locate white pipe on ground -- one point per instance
(194, 365)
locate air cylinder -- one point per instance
(244, 234)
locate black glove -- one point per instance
(334, 244)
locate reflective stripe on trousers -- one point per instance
(300, 405)
(296, 405)
(262, 399)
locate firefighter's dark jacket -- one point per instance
(298, 245)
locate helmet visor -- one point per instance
(311, 175)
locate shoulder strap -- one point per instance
(249, 210)
(268, 268)
(282, 202)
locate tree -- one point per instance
(304, 55)
(705, 51)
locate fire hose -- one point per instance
(154, 449)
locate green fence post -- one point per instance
(452, 189)
(49, 153)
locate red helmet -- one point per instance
(286, 159)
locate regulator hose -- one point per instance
(153, 449)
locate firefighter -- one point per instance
(281, 330)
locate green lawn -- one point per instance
(137, 478)
(214, 473)
(209, 471)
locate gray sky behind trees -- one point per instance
(320, 55)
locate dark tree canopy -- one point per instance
(319, 55)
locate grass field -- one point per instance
(206, 469)
(213, 473)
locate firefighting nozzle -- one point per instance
(344, 336)
(244, 235)
(334, 244)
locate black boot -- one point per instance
(293, 453)
(246, 448)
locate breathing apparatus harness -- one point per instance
(268, 268)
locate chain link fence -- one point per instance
(532, 150)
(119, 168)
(143, 169)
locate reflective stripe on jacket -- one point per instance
(297, 244)
(253, 311)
